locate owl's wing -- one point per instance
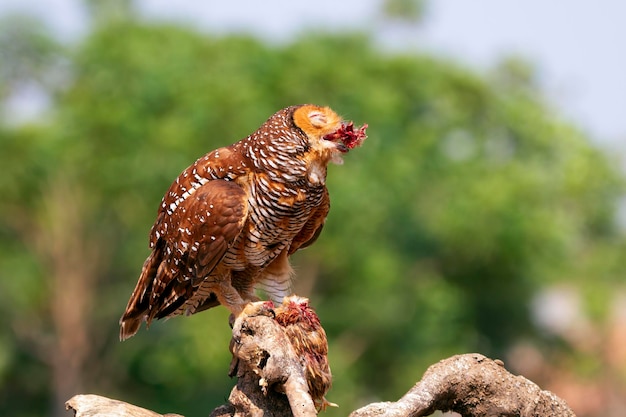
(188, 245)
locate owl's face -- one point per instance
(328, 134)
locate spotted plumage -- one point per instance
(229, 222)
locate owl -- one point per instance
(229, 223)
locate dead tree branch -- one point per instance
(96, 406)
(271, 382)
(471, 385)
(271, 378)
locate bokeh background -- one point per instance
(484, 213)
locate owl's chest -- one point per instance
(276, 214)
(278, 211)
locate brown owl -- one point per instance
(230, 221)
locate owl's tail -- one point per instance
(138, 305)
(129, 326)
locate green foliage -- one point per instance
(467, 196)
(408, 10)
(26, 52)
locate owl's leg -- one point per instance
(228, 296)
(219, 287)
(276, 278)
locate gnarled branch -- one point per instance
(89, 405)
(471, 385)
(271, 382)
(271, 378)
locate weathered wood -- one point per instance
(89, 405)
(473, 386)
(271, 383)
(271, 377)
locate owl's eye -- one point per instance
(318, 119)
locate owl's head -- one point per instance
(326, 130)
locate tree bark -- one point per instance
(72, 259)
(271, 383)
(473, 386)
(90, 405)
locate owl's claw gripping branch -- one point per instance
(349, 137)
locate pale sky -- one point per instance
(577, 46)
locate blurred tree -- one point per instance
(105, 12)
(32, 67)
(411, 11)
(468, 195)
(27, 52)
